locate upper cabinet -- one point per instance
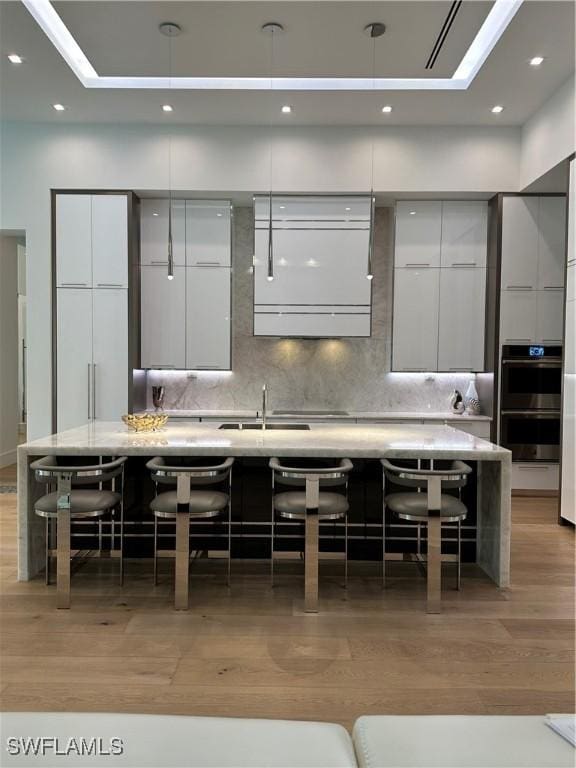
(208, 238)
(464, 233)
(318, 248)
(418, 233)
(154, 232)
(519, 243)
(551, 242)
(186, 321)
(91, 241)
(439, 285)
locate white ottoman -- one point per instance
(165, 741)
(459, 741)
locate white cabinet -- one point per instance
(464, 233)
(520, 237)
(163, 317)
(534, 476)
(110, 353)
(73, 357)
(208, 234)
(518, 323)
(91, 355)
(568, 493)
(418, 233)
(461, 324)
(320, 265)
(549, 317)
(415, 324)
(208, 318)
(570, 339)
(154, 231)
(73, 240)
(551, 242)
(185, 322)
(91, 241)
(109, 241)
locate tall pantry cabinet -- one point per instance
(95, 302)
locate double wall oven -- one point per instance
(530, 402)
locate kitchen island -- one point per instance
(353, 441)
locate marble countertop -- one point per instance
(236, 415)
(322, 440)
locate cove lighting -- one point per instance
(13, 58)
(494, 25)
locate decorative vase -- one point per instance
(471, 400)
(456, 402)
(158, 394)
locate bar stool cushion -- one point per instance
(202, 503)
(292, 504)
(414, 506)
(88, 503)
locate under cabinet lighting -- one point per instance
(536, 61)
(497, 109)
(13, 58)
(501, 14)
(387, 109)
(167, 108)
(59, 107)
(286, 109)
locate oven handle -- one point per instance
(539, 414)
(532, 363)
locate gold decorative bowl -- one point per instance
(145, 422)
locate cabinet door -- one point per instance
(73, 357)
(154, 231)
(415, 332)
(517, 317)
(109, 241)
(550, 317)
(73, 241)
(464, 233)
(110, 353)
(208, 318)
(570, 338)
(208, 234)
(519, 242)
(568, 497)
(163, 318)
(551, 242)
(462, 314)
(418, 229)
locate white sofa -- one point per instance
(167, 741)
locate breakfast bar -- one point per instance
(357, 442)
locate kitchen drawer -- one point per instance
(534, 476)
(476, 428)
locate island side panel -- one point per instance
(495, 519)
(31, 528)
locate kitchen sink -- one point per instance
(238, 425)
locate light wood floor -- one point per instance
(253, 652)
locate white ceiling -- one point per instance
(322, 38)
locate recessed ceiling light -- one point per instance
(536, 61)
(497, 109)
(286, 109)
(13, 58)
(154, 214)
(219, 214)
(282, 207)
(59, 107)
(387, 108)
(348, 208)
(412, 213)
(167, 108)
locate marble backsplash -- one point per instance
(305, 374)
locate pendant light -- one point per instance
(374, 31)
(170, 30)
(271, 28)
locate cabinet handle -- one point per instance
(464, 264)
(206, 367)
(419, 264)
(531, 469)
(518, 341)
(74, 285)
(553, 287)
(518, 287)
(552, 341)
(94, 391)
(459, 368)
(89, 388)
(153, 365)
(207, 263)
(109, 285)
(159, 262)
(412, 369)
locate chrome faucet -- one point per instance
(264, 405)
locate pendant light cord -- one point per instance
(170, 242)
(270, 274)
(369, 274)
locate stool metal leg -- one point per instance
(346, 551)
(230, 529)
(383, 531)
(459, 556)
(434, 565)
(272, 531)
(121, 568)
(63, 543)
(311, 546)
(47, 552)
(182, 543)
(155, 551)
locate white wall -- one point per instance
(549, 136)
(38, 157)
(8, 350)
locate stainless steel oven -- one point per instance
(530, 402)
(531, 377)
